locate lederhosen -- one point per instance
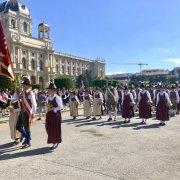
(110, 101)
(173, 99)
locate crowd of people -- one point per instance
(126, 101)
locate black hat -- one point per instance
(26, 82)
(143, 85)
(173, 87)
(126, 88)
(52, 86)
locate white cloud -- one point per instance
(166, 51)
(174, 61)
(111, 73)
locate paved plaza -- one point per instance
(96, 150)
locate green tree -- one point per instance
(100, 82)
(85, 78)
(6, 83)
(64, 81)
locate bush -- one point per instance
(36, 86)
(101, 83)
(64, 81)
(6, 83)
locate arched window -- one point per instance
(24, 63)
(68, 70)
(41, 65)
(47, 35)
(13, 23)
(78, 71)
(57, 68)
(73, 70)
(32, 64)
(25, 27)
(63, 70)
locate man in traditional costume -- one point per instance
(120, 94)
(87, 104)
(174, 98)
(74, 103)
(133, 92)
(14, 109)
(53, 117)
(111, 97)
(27, 114)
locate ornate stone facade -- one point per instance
(36, 56)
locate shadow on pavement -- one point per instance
(7, 145)
(34, 152)
(151, 126)
(127, 125)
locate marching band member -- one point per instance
(53, 117)
(28, 110)
(97, 103)
(127, 102)
(74, 103)
(144, 103)
(14, 109)
(87, 104)
(111, 97)
(174, 98)
(162, 105)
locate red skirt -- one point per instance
(53, 127)
(144, 109)
(162, 111)
(126, 109)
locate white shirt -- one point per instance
(116, 96)
(15, 99)
(130, 95)
(147, 93)
(58, 101)
(166, 95)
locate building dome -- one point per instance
(14, 6)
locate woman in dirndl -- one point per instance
(162, 106)
(127, 103)
(53, 117)
(144, 103)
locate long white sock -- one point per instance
(110, 115)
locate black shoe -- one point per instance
(56, 145)
(74, 118)
(52, 148)
(110, 119)
(15, 143)
(38, 119)
(26, 146)
(93, 118)
(162, 124)
(21, 139)
(128, 121)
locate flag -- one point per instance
(5, 59)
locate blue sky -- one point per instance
(120, 31)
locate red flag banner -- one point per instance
(5, 59)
